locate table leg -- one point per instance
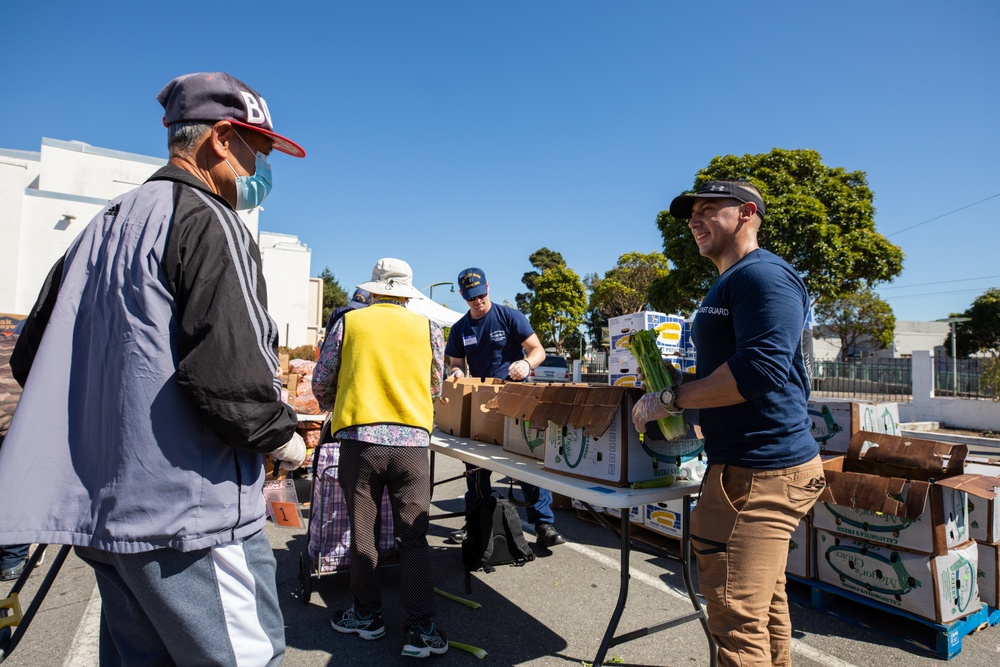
(616, 616)
(713, 651)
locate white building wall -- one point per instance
(48, 197)
(286, 262)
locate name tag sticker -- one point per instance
(469, 340)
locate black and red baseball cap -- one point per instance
(215, 96)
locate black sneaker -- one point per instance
(370, 627)
(458, 536)
(547, 536)
(424, 640)
(12, 573)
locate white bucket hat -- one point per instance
(392, 277)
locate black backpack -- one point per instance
(494, 536)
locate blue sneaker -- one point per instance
(367, 627)
(424, 640)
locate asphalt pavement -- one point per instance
(552, 611)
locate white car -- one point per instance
(553, 369)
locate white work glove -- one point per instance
(519, 370)
(650, 408)
(292, 453)
(456, 372)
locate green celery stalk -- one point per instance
(655, 378)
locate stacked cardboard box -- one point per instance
(893, 525)
(984, 521)
(673, 338)
(835, 421)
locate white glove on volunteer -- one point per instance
(519, 370)
(652, 406)
(292, 453)
(456, 372)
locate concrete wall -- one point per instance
(954, 412)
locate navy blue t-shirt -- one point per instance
(752, 319)
(491, 343)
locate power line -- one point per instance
(937, 282)
(914, 296)
(937, 217)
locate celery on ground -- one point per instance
(474, 650)
(655, 378)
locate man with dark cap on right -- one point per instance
(764, 471)
(149, 364)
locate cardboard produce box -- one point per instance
(589, 432)
(904, 492)
(666, 518)
(939, 588)
(800, 551)
(989, 564)
(485, 423)
(453, 408)
(521, 437)
(595, 419)
(984, 512)
(834, 422)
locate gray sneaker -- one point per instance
(424, 640)
(350, 621)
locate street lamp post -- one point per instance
(954, 356)
(431, 288)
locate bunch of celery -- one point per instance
(655, 378)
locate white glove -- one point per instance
(456, 372)
(516, 371)
(649, 408)
(292, 453)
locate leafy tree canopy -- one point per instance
(541, 259)
(557, 306)
(982, 332)
(820, 219)
(625, 288)
(334, 295)
(857, 316)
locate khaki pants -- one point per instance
(740, 531)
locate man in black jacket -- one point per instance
(152, 364)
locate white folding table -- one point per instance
(524, 469)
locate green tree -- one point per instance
(857, 316)
(557, 306)
(820, 219)
(625, 288)
(541, 259)
(334, 295)
(982, 332)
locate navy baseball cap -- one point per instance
(360, 299)
(472, 283)
(215, 96)
(681, 206)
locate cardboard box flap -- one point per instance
(591, 408)
(858, 490)
(981, 486)
(896, 456)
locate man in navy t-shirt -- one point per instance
(764, 471)
(497, 342)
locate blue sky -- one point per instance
(471, 133)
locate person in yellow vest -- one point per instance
(379, 372)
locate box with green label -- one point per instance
(520, 437)
(939, 588)
(904, 492)
(589, 433)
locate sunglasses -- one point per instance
(475, 298)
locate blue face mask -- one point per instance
(251, 190)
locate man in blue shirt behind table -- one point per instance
(764, 471)
(497, 342)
